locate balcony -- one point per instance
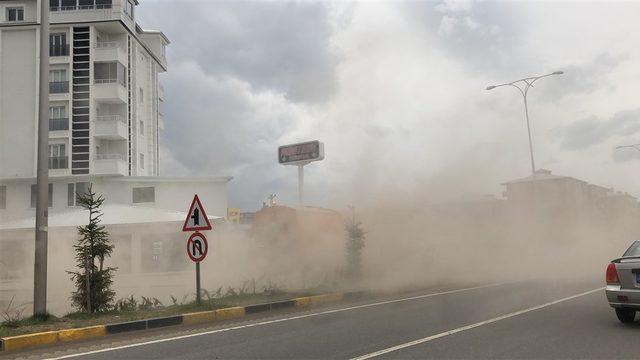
(77, 13)
(59, 87)
(111, 51)
(109, 91)
(109, 164)
(110, 127)
(59, 50)
(58, 124)
(58, 162)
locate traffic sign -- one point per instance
(197, 247)
(196, 217)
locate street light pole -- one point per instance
(523, 85)
(42, 172)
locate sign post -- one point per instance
(197, 245)
(301, 154)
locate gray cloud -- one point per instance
(592, 130)
(271, 45)
(581, 78)
(245, 76)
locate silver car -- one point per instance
(623, 283)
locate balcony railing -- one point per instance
(110, 81)
(81, 7)
(111, 118)
(109, 157)
(58, 124)
(59, 87)
(59, 50)
(59, 162)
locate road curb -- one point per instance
(28, 341)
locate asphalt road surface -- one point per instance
(532, 320)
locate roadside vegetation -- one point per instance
(92, 279)
(355, 244)
(131, 308)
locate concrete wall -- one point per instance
(30, 9)
(18, 105)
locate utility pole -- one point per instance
(301, 185)
(42, 202)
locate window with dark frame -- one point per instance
(58, 45)
(144, 195)
(15, 13)
(34, 195)
(74, 190)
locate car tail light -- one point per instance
(612, 274)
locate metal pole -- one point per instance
(526, 112)
(42, 202)
(198, 283)
(300, 185)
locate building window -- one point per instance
(141, 127)
(110, 72)
(34, 195)
(15, 14)
(58, 82)
(58, 119)
(141, 96)
(141, 161)
(74, 190)
(57, 156)
(58, 45)
(144, 195)
(3, 197)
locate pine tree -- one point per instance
(355, 245)
(92, 280)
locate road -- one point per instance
(533, 319)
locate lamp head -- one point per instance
(557, 73)
(491, 87)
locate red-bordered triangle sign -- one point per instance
(196, 217)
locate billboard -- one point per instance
(302, 153)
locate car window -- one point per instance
(633, 250)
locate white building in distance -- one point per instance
(105, 119)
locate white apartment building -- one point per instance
(105, 103)
(105, 119)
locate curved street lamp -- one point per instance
(634, 146)
(523, 85)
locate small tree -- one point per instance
(93, 281)
(355, 244)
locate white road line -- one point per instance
(278, 320)
(468, 327)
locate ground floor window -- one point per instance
(34, 195)
(144, 195)
(74, 190)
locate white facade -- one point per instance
(105, 99)
(105, 120)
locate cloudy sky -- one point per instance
(396, 91)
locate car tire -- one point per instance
(626, 315)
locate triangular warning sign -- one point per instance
(196, 217)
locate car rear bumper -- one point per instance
(623, 298)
